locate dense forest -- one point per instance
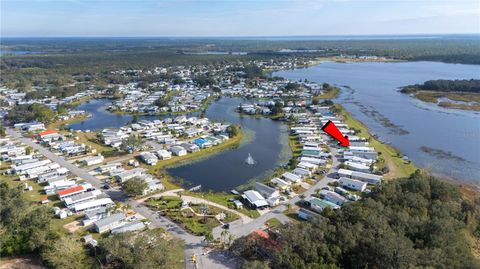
(27, 227)
(29, 113)
(61, 61)
(443, 85)
(418, 222)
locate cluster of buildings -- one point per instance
(13, 97)
(77, 197)
(178, 98)
(117, 172)
(357, 162)
(61, 144)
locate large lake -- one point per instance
(444, 141)
(266, 140)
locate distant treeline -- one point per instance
(443, 85)
(63, 61)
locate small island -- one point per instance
(458, 94)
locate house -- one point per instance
(272, 195)
(94, 204)
(129, 227)
(48, 135)
(81, 197)
(153, 185)
(254, 199)
(93, 160)
(266, 191)
(238, 204)
(190, 147)
(319, 205)
(315, 161)
(178, 151)
(163, 154)
(202, 143)
(365, 177)
(353, 184)
(291, 177)
(308, 166)
(282, 184)
(128, 174)
(333, 197)
(93, 215)
(108, 223)
(306, 214)
(62, 194)
(108, 167)
(301, 172)
(355, 166)
(149, 158)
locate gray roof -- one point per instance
(264, 189)
(129, 227)
(110, 219)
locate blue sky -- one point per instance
(236, 17)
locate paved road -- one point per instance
(193, 244)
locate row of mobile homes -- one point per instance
(365, 177)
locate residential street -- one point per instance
(194, 245)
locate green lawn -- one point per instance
(170, 206)
(223, 198)
(273, 222)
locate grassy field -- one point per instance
(57, 124)
(329, 94)
(223, 198)
(273, 222)
(92, 140)
(170, 206)
(393, 158)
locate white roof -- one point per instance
(291, 177)
(255, 198)
(94, 203)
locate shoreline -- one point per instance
(431, 97)
(160, 169)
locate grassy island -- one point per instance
(459, 94)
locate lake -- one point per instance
(266, 140)
(101, 117)
(444, 141)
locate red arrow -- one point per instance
(333, 131)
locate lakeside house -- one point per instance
(178, 151)
(353, 184)
(365, 177)
(163, 154)
(254, 199)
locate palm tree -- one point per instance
(208, 237)
(223, 236)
